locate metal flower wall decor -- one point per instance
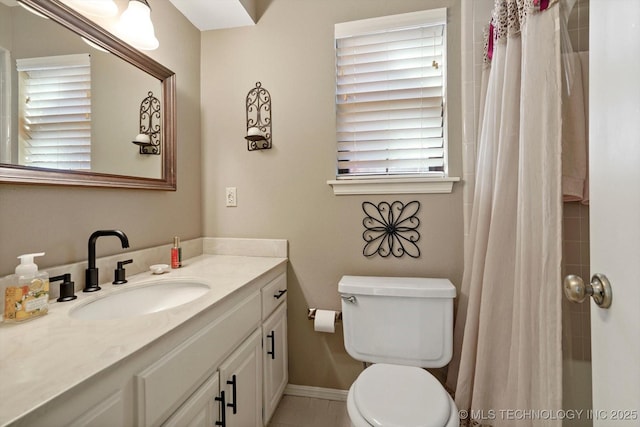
(391, 229)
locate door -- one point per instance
(614, 153)
(274, 362)
(241, 380)
(202, 409)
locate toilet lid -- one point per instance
(401, 396)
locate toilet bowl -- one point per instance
(400, 396)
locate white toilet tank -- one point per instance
(398, 320)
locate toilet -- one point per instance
(400, 325)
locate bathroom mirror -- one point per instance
(114, 124)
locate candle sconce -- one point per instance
(258, 105)
(149, 137)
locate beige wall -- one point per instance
(282, 192)
(59, 220)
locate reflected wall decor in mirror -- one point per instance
(70, 111)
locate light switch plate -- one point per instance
(231, 197)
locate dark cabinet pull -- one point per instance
(233, 394)
(280, 293)
(223, 410)
(272, 335)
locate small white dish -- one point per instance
(159, 268)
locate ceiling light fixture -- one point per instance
(135, 26)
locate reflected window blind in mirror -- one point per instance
(55, 112)
(390, 96)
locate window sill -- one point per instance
(345, 187)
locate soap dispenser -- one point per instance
(29, 297)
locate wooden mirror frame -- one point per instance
(86, 28)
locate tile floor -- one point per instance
(296, 411)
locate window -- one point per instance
(55, 112)
(391, 97)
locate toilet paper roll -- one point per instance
(325, 321)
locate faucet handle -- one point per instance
(66, 287)
(119, 273)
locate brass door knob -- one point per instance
(577, 291)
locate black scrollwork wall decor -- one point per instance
(149, 137)
(391, 229)
(258, 105)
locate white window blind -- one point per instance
(390, 96)
(55, 112)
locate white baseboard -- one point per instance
(316, 392)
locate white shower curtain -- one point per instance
(507, 364)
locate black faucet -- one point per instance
(91, 283)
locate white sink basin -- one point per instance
(145, 299)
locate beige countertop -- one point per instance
(44, 357)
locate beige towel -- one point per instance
(574, 135)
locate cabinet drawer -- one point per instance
(273, 293)
(165, 384)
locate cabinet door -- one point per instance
(202, 409)
(275, 361)
(241, 380)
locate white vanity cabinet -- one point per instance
(274, 339)
(231, 397)
(179, 377)
(242, 356)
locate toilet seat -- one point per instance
(392, 395)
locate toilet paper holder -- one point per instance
(311, 314)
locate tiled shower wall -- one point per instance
(575, 234)
(575, 260)
(475, 16)
(576, 322)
